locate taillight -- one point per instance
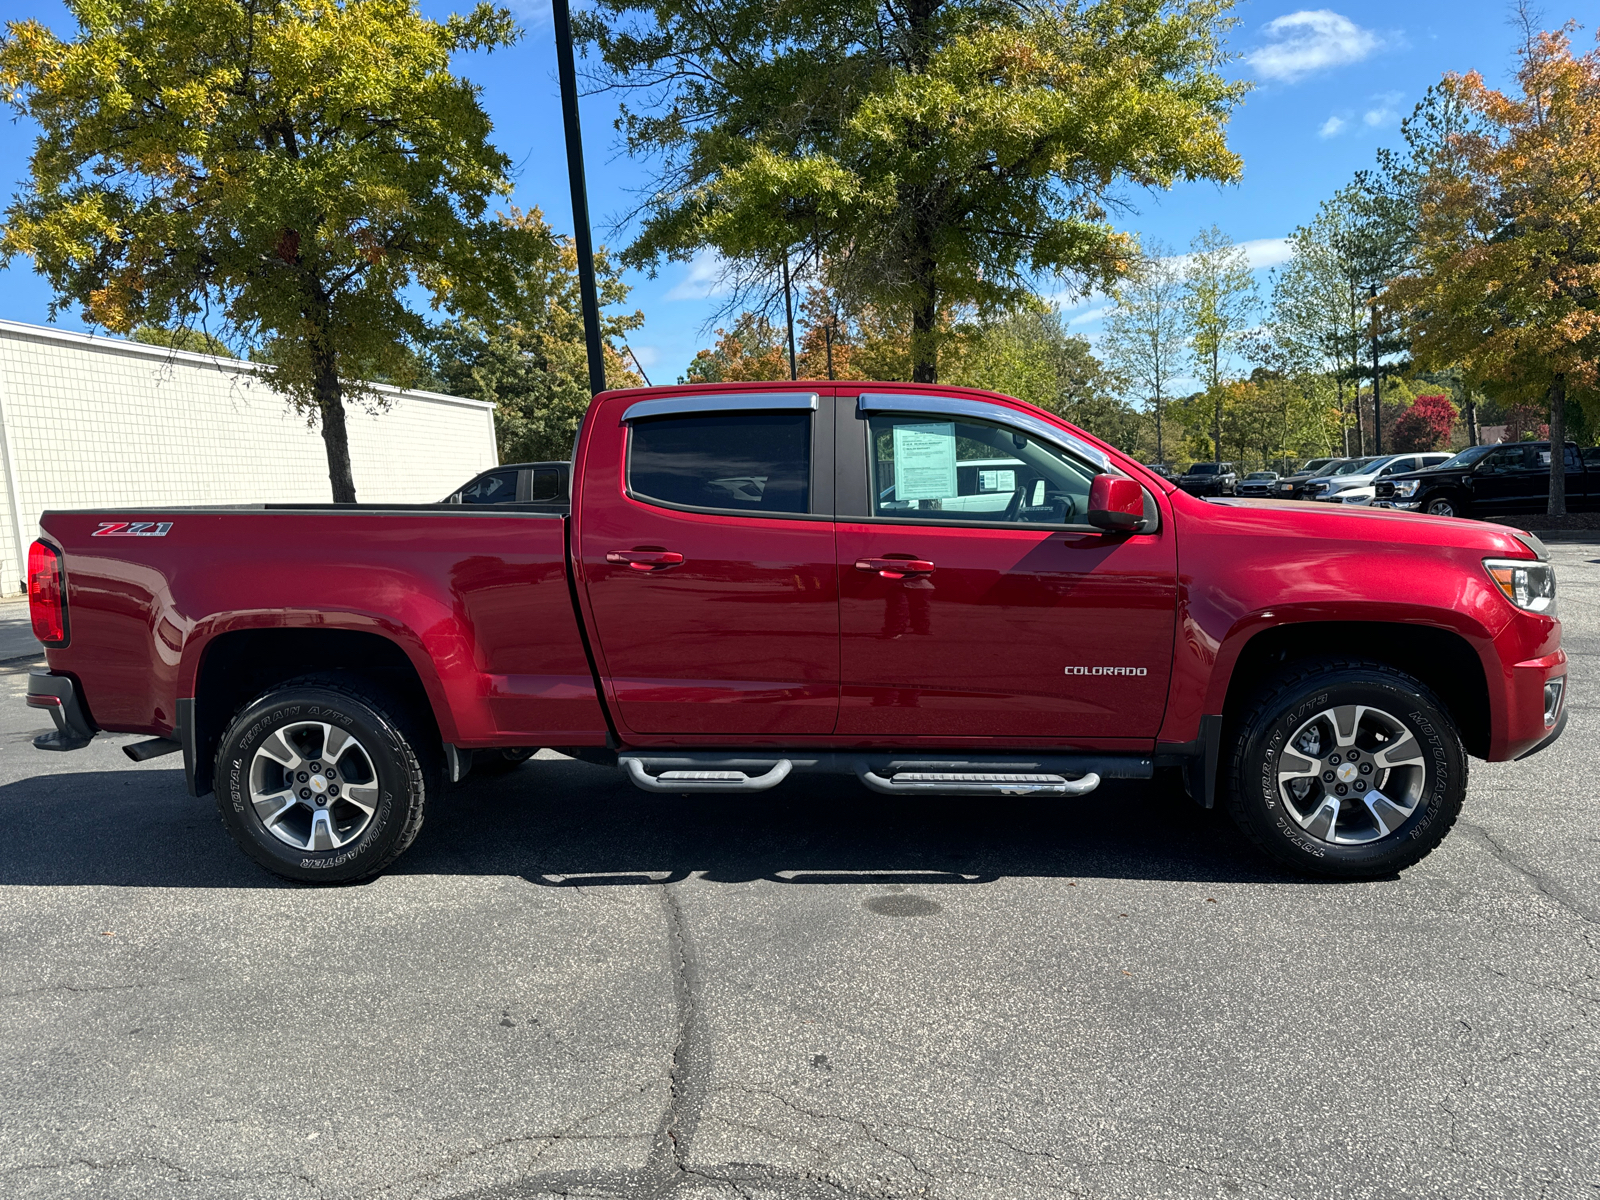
(47, 601)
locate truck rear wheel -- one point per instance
(1346, 767)
(319, 783)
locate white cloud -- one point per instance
(1332, 127)
(1311, 40)
(1267, 252)
(706, 277)
(1093, 314)
(1385, 111)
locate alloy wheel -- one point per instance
(1441, 508)
(313, 786)
(1352, 775)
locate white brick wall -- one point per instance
(92, 422)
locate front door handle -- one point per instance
(645, 558)
(895, 568)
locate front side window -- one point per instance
(498, 487)
(927, 469)
(748, 462)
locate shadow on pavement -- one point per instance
(560, 823)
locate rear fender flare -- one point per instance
(445, 637)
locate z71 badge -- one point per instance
(132, 529)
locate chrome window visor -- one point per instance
(954, 406)
(737, 402)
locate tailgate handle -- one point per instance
(895, 568)
(645, 558)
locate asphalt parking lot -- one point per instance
(569, 987)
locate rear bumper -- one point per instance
(58, 695)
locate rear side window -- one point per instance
(545, 485)
(499, 487)
(748, 462)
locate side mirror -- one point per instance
(1116, 504)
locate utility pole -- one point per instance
(788, 313)
(581, 237)
(1377, 380)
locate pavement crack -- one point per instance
(1542, 884)
(687, 1073)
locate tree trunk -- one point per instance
(1558, 447)
(1472, 422)
(330, 405)
(924, 339)
(1216, 412)
(1161, 456)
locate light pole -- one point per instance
(581, 238)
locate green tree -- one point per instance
(938, 155)
(529, 358)
(1146, 338)
(293, 166)
(1030, 355)
(1317, 319)
(1219, 297)
(196, 340)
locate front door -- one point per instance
(707, 553)
(975, 601)
(1512, 478)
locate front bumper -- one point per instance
(58, 695)
(1353, 496)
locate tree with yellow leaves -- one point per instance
(1505, 279)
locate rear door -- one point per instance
(706, 548)
(974, 599)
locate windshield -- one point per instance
(1261, 475)
(1204, 468)
(1466, 458)
(1357, 467)
(1316, 464)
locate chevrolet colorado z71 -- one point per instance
(937, 590)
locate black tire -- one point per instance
(1444, 504)
(501, 762)
(388, 752)
(1258, 740)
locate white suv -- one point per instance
(1353, 483)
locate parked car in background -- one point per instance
(1483, 480)
(1164, 470)
(1209, 479)
(1292, 487)
(517, 483)
(1257, 483)
(1347, 486)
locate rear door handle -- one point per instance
(645, 559)
(895, 568)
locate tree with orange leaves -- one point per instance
(1505, 277)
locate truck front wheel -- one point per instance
(319, 783)
(1346, 767)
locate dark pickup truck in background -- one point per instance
(517, 483)
(1487, 480)
(938, 591)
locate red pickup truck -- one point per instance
(937, 590)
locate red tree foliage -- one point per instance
(1425, 425)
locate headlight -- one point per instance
(1407, 487)
(1527, 584)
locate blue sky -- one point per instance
(1332, 86)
